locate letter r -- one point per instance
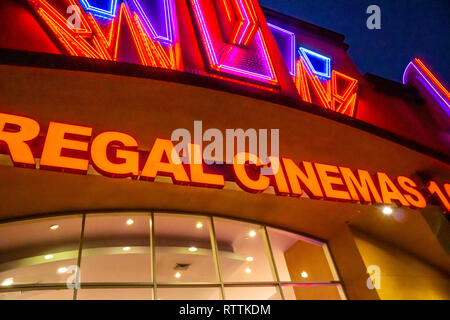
(15, 131)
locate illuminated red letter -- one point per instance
(389, 191)
(414, 197)
(280, 183)
(364, 185)
(198, 176)
(163, 150)
(56, 143)
(125, 151)
(257, 185)
(308, 179)
(433, 188)
(15, 131)
(328, 181)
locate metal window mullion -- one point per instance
(153, 260)
(80, 251)
(272, 260)
(216, 255)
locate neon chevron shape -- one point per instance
(349, 89)
(168, 17)
(246, 26)
(289, 52)
(111, 12)
(108, 12)
(224, 63)
(434, 86)
(92, 41)
(309, 54)
(342, 100)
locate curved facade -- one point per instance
(337, 233)
(142, 255)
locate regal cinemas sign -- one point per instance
(72, 148)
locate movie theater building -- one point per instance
(96, 204)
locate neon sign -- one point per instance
(316, 83)
(230, 35)
(72, 148)
(232, 39)
(317, 63)
(102, 25)
(314, 78)
(439, 92)
(286, 43)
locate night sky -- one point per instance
(409, 28)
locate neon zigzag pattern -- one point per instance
(92, 40)
(331, 96)
(246, 32)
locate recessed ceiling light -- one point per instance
(252, 233)
(304, 274)
(130, 222)
(249, 259)
(62, 270)
(126, 248)
(177, 275)
(199, 225)
(387, 210)
(193, 249)
(248, 270)
(48, 257)
(54, 227)
(7, 282)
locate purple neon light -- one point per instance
(292, 52)
(168, 16)
(100, 12)
(431, 85)
(241, 6)
(433, 94)
(213, 58)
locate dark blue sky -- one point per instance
(409, 28)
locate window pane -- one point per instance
(40, 251)
(115, 294)
(37, 295)
(252, 293)
(189, 293)
(183, 251)
(300, 259)
(116, 248)
(243, 255)
(323, 292)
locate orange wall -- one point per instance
(402, 275)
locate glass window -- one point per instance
(116, 248)
(243, 255)
(183, 251)
(190, 252)
(252, 293)
(115, 294)
(62, 294)
(300, 259)
(313, 292)
(189, 293)
(39, 251)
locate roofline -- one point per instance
(65, 62)
(330, 35)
